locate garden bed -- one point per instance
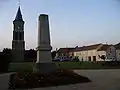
(38, 80)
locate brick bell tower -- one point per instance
(18, 43)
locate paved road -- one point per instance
(4, 80)
(101, 80)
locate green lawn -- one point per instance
(28, 66)
(25, 66)
(78, 65)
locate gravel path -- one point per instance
(4, 80)
(101, 80)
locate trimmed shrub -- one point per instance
(37, 80)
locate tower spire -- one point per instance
(18, 37)
(19, 15)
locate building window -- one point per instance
(16, 35)
(20, 35)
(82, 59)
(110, 50)
(89, 58)
(94, 58)
(13, 35)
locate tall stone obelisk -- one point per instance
(44, 60)
(44, 48)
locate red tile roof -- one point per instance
(64, 50)
(117, 46)
(85, 48)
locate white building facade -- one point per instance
(117, 46)
(94, 52)
(118, 55)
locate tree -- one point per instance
(103, 57)
(7, 51)
(5, 59)
(30, 55)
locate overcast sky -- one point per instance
(72, 22)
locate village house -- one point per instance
(91, 52)
(64, 51)
(117, 46)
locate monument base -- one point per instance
(44, 67)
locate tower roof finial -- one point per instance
(19, 3)
(19, 15)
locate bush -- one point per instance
(4, 63)
(112, 63)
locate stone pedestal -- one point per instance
(44, 60)
(44, 67)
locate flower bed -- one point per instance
(37, 80)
